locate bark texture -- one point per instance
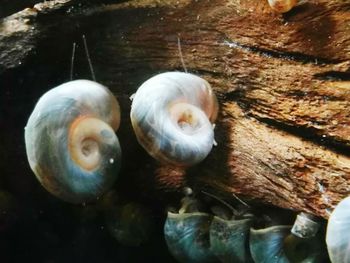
(283, 83)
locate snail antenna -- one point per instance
(240, 200)
(234, 211)
(180, 53)
(72, 61)
(89, 59)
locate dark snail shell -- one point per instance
(266, 245)
(172, 115)
(305, 250)
(71, 143)
(187, 237)
(229, 240)
(276, 244)
(130, 224)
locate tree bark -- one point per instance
(283, 84)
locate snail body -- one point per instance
(337, 237)
(282, 6)
(172, 115)
(70, 140)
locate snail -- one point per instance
(229, 231)
(130, 223)
(282, 6)
(172, 115)
(187, 233)
(337, 236)
(229, 239)
(266, 245)
(71, 143)
(299, 243)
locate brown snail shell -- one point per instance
(282, 6)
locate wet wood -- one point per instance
(282, 81)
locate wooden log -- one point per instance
(9, 7)
(282, 82)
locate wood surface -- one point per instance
(282, 80)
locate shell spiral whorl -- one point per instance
(70, 140)
(172, 115)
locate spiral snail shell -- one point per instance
(337, 237)
(172, 115)
(282, 6)
(70, 140)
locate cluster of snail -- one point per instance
(195, 235)
(75, 154)
(73, 150)
(70, 136)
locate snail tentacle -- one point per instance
(172, 115)
(70, 140)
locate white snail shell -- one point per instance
(70, 140)
(282, 6)
(172, 115)
(338, 233)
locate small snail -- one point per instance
(279, 244)
(187, 233)
(130, 223)
(337, 237)
(70, 140)
(229, 239)
(282, 6)
(266, 245)
(172, 115)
